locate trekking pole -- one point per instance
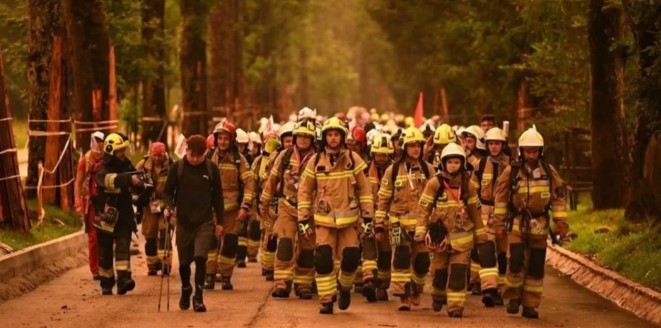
(165, 259)
(166, 255)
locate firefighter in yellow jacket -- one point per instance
(334, 194)
(261, 170)
(493, 254)
(401, 187)
(525, 193)
(149, 205)
(449, 224)
(238, 188)
(294, 262)
(377, 253)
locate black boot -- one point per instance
(106, 291)
(264, 272)
(152, 270)
(125, 286)
(344, 300)
(437, 304)
(240, 263)
(358, 287)
(530, 313)
(369, 291)
(227, 284)
(210, 281)
(513, 306)
(489, 297)
(326, 308)
(282, 292)
(186, 292)
(305, 293)
(270, 275)
(476, 289)
(382, 294)
(456, 314)
(198, 301)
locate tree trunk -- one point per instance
(44, 22)
(605, 27)
(645, 22)
(193, 61)
(90, 49)
(153, 87)
(13, 208)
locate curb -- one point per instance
(36, 257)
(642, 301)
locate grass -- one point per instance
(629, 249)
(50, 229)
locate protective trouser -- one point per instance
(254, 239)
(153, 228)
(410, 266)
(92, 243)
(449, 270)
(222, 253)
(527, 255)
(121, 239)
(294, 260)
(475, 266)
(267, 246)
(341, 244)
(492, 255)
(377, 259)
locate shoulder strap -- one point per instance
(480, 169)
(549, 175)
(286, 159)
(425, 168)
(441, 189)
(393, 178)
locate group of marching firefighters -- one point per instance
(332, 207)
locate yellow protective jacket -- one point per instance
(398, 199)
(286, 190)
(375, 177)
(486, 178)
(531, 193)
(237, 180)
(340, 191)
(457, 208)
(158, 178)
(261, 169)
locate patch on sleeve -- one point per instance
(384, 182)
(546, 195)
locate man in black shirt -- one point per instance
(194, 188)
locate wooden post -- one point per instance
(53, 145)
(444, 106)
(112, 96)
(12, 199)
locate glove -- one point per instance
(304, 229)
(395, 235)
(367, 228)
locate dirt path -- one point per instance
(73, 300)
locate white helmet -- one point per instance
(287, 128)
(307, 113)
(242, 136)
(495, 134)
(531, 138)
(254, 137)
(478, 134)
(453, 150)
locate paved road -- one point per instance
(73, 300)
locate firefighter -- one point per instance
(261, 169)
(473, 137)
(493, 254)
(294, 263)
(238, 186)
(286, 136)
(449, 224)
(525, 192)
(84, 177)
(116, 178)
(487, 121)
(442, 136)
(242, 143)
(377, 253)
(357, 141)
(149, 204)
(401, 187)
(335, 182)
(255, 145)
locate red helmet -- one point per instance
(211, 141)
(225, 126)
(358, 134)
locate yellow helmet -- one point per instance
(408, 121)
(382, 144)
(114, 142)
(374, 117)
(495, 134)
(412, 135)
(384, 118)
(444, 135)
(453, 150)
(305, 128)
(335, 123)
(531, 138)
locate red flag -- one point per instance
(418, 117)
